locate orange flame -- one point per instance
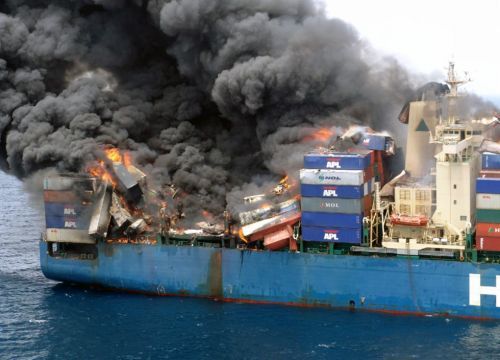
(127, 159)
(114, 154)
(100, 172)
(320, 135)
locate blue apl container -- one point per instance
(375, 142)
(490, 161)
(351, 236)
(339, 161)
(336, 191)
(488, 186)
(61, 210)
(345, 221)
(66, 222)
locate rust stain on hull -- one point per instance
(214, 279)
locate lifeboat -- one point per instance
(417, 220)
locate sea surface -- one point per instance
(40, 319)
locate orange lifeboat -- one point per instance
(417, 220)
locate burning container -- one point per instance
(68, 208)
(127, 183)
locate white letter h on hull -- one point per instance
(476, 290)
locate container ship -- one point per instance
(426, 241)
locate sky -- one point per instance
(425, 35)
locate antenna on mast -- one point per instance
(453, 81)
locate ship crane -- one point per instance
(379, 215)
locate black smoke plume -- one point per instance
(210, 95)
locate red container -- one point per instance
(54, 196)
(279, 239)
(488, 230)
(495, 174)
(487, 243)
(260, 229)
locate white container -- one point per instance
(488, 201)
(64, 183)
(332, 177)
(69, 236)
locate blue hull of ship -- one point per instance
(396, 285)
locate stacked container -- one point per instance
(336, 194)
(67, 217)
(488, 204)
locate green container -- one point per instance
(488, 216)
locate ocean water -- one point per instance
(40, 319)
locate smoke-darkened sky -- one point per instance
(213, 96)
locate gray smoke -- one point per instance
(208, 95)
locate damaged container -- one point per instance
(127, 184)
(252, 216)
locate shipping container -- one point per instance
(375, 142)
(490, 161)
(488, 186)
(488, 201)
(484, 243)
(340, 206)
(495, 174)
(101, 216)
(488, 216)
(67, 235)
(258, 230)
(339, 161)
(488, 229)
(335, 177)
(330, 234)
(252, 216)
(279, 239)
(351, 221)
(66, 222)
(63, 183)
(61, 209)
(336, 191)
(60, 196)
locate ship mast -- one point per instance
(453, 82)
